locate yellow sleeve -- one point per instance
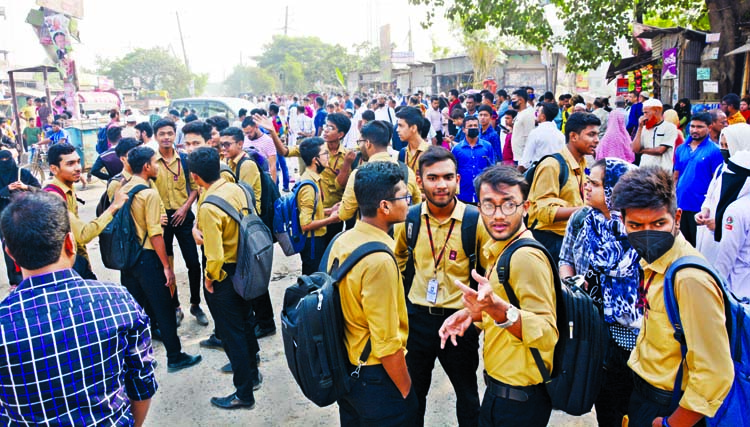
(545, 193)
(213, 248)
(349, 205)
(251, 175)
(709, 362)
(306, 205)
(401, 250)
(293, 152)
(532, 280)
(85, 232)
(154, 209)
(416, 193)
(112, 188)
(483, 237)
(379, 304)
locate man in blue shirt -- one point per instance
(473, 155)
(56, 135)
(695, 161)
(487, 132)
(320, 116)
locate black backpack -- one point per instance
(104, 200)
(313, 330)
(577, 373)
(562, 178)
(269, 193)
(119, 243)
(468, 242)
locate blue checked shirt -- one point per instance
(73, 352)
(471, 162)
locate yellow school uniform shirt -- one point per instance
(736, 118)
(454, 264)
(220, 231)
(506, 358)
(546, 195)
(349, 205)
(146, 209)
(116, 184)
(171, 183)
(332, 191)
(413, 161)
(372, 297)
(308, 211)
(249, 174)
(708, 372)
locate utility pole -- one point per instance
(286, 21)
(184, 53)
(411, 48)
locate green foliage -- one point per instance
(590, 28)
(156, 68)
(250, 79)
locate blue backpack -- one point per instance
(101, 140)
(733, 412)
(286, 226)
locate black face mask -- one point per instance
(651, 244)
(515, 105)
(472, 133)
(725, 154)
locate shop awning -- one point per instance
(741, 49)
(628, 64)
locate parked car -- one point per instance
(206, 107)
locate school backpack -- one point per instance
(102, 144)
(736, 406)
(577, 373)
(118, 242)
(286, 226)
(313, 330)
(269, 193)
(104, 200)
(562, 177)
(468, 242)
(259, 159)
(254, 249)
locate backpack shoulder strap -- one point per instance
(402, 155)
(562, 178)
(223, 167)
(338, 272)
(238, 168)
(249, 196)
(413, 223)
(224, 206)
(469, 240)
(52, 188)
(315, 188)
(135, 190)
(186, 169)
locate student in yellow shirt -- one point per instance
(230, 311)
(374, 305)
(410, 121)
(515, 393)
(646, 199)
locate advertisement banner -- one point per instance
(68, 7)
(669, 61)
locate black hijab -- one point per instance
(8, 169)
(731, 185)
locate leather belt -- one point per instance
(435, 311)
(651, 393)
(504, 391)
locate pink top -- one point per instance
(616, 141)
(264, 145)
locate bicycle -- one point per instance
(38, 163)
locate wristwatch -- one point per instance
(511, 316)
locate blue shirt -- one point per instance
(57, 136)
(471, 162)
(696, 168)
(490, 135)
(320, 120)
(75, 352)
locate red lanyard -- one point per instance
(643, 293)
(432, 245)
(176, 175)
(414, 162)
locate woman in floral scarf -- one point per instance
(596, 247)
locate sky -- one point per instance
(219, 33)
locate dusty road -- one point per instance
(183, 397)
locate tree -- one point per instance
(156, 68)
(483, 53)
(250, 79)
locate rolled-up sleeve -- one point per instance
(349, 205)
(139, 378)
(154, 210)
(535, 290)
(379, 303)
(306, 205)
(210, 219)
(84, 232)
(545, 193)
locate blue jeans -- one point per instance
(281, 165)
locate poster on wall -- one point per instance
(68, 7)
(669, 61)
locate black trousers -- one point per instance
(184, 235)
(231, 315)
(688, 227)
(146, 282)
(551, 241)
(332, 230)
(459, 362)
(500, 412)
(263, 311)
(312, 253)
(614, 397)
(375, 401)
(645, 406)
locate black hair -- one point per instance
(454, 92)
(470, 119)
(190, 118)
(458, 113)
(34, 226)
(145, 127)
(577, 122)
(139, 157)
(319, 101)
(174, 112)
(511, 113)
(648, 187)
(114, 133)
(548, 96)
(235, 132)
(309, 149)
(219, 122)
(503, 93)
(566, 96)
(435, 154)
(424, 129)
(125, 145)
(489, 96)
(248, 121)
(113, 113)
(486, 108)
(411, 115)
(242, 112)
(521, 93)
(164, 123)
(375, 182)
(368, 115)
(702, 117)
(198, 127)
(598, 103)
(56, 151)
(377, 132)
(357, 102)
(499, 175)
(550, 110)
(341, 121)
(58, 103)
(273, 109)
(204, 162)
(732, 100)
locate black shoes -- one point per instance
(264, 332)
(200, 316)
(232, 402)
(212, 342)
(227, 369)
(183, 361)
(258, 383)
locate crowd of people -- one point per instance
(614, 194)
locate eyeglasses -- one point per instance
(324, 153)
(330, 127)
(407, 198)
(507, 208)
(226, 144)
(359, 141)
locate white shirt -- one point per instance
(387, 114)
(523, 124)
(436, 119)
(545, 139)
(301, 123)
(733, 258)
(665, 133)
